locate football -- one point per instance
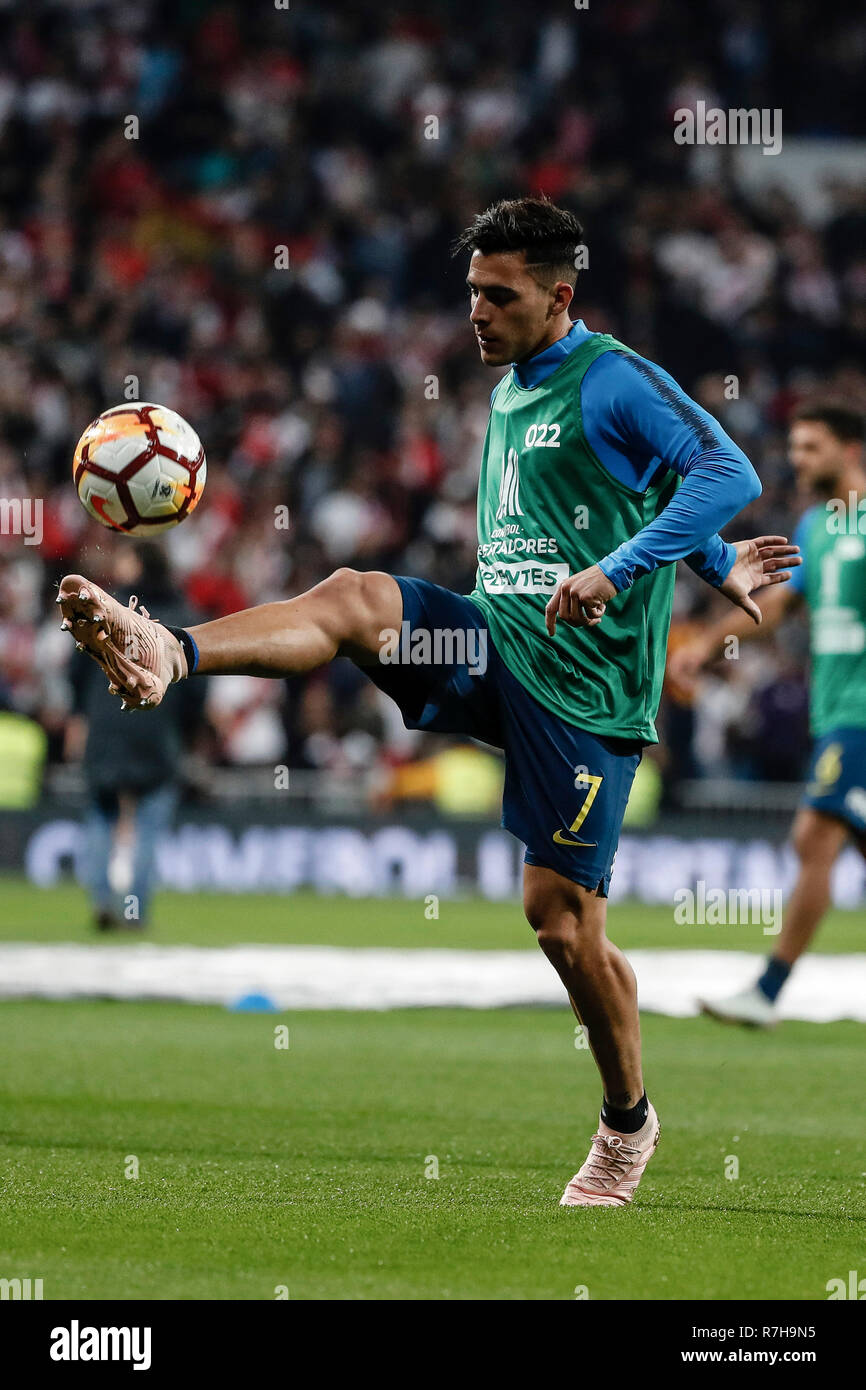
(139, 468)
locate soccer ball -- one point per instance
(139, 468)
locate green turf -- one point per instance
(61, 914)
(306, 1167)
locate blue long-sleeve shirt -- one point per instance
(638, 420)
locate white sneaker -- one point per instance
(750, 1007)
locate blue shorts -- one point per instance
(837, 777)
(565, 789)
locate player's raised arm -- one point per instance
(640, 423)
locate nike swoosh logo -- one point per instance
(561, 839)
(98, 505)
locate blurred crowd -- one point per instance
(245, 212)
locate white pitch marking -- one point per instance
(821, 989)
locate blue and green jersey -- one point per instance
(595, 456)
(832, 580)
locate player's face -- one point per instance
(817, 457)
(512, 314)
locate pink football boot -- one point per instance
(614, 1167)
(139, 656)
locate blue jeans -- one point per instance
(154, 812)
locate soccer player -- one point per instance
(597, 474)
(826, 453)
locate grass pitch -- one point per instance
(311, 1168)
(219, 919)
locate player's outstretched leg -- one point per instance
(342, 616)
(569, 922)
(818, 840)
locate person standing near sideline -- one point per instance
(131, 777)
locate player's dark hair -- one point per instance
(548, 235)
(848, 425)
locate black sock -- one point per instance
(190, 650)
(774, 976)
(625, 1121)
